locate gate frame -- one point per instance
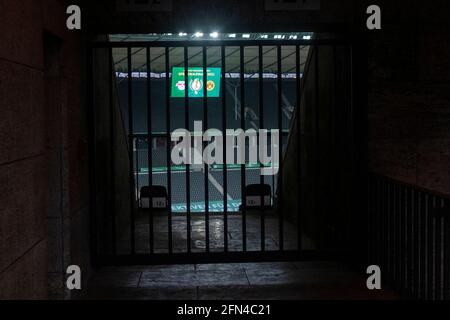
(359, 69)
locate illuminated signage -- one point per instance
(196, 85)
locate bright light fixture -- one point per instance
(293, 37)
(232, 35)
(214, 34)
(198, 34)
(306, 37)
(246, 36)
(264, 36)
(182, 34)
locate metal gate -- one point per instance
(139, 221)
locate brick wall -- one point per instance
(409, 100)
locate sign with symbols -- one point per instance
(291, 5)
(195, 82)
(144, 5)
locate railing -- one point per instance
(409, 238)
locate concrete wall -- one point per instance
(104, 198)
(224, 16)
(327, 153)
(43, 150)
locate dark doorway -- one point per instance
(149, 209)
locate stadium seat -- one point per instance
(253, 193)
(158, 194)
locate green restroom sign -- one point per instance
(195, 82)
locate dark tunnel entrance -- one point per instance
(166, 189)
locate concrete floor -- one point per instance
(277, 280)
(283, 280)
(216, 233)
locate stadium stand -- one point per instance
(197, 177)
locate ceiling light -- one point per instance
(306, 37)
(246, 36)
(198, 34)
(232, 35)
(182, 34)
(214, 34)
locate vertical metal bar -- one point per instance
(112, 155)
(261, 126)
(130, 150)
(379, 199)
(205, 127)
(370, 210)
(430, 233)
(168, 144)
(383, 230)
(188, 168)
(411, 241)
(398, 237)
(403, 234)
(437, 253)
(149, 150)
(420, 242)
(243, 193)
(299, 145)
(224, 137)
(407, 239)
(273, 186)
(280, 156)
(395, 235)
(442, 253)
(389, 230)
(376, 219)
(317, 205)
(371, 223)
(403, 241)
(332, 124)
(392, 232)
(432, 243)
(416, 242)
(379, 213)
(446, 251)
(91, 112)
(439, 247)
(136, 152)
(398, 234)
(424, 251)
